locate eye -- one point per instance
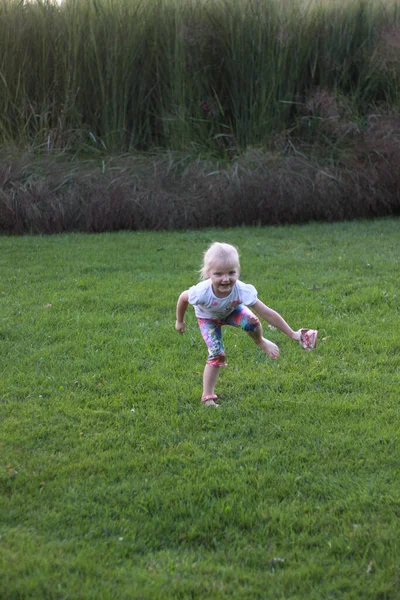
(232, 272)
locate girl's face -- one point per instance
(223, 278)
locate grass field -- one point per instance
(116, 483)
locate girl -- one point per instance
(222, 299)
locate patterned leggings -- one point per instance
(212, 334)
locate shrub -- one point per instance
(52, 194)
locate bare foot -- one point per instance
(269, 348)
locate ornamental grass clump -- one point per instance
(117, 75)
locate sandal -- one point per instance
(308, 338)
(210, 400)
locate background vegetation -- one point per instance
(127, 75)
(115, 482)
(292, 105)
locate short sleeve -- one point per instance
(248, 294)
(196, 293)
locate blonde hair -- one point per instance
(219, 254)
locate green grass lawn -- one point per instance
(117, 483)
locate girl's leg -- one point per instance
(243, 317)
(210, 377)
(267, 346)
(212, 335)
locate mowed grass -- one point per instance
(117, 483)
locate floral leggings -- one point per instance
(212, 334)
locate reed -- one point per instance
(215, 75)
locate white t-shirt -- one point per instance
(208, 306)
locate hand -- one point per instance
(180, 326)
(297, 335)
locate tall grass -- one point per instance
(214, 74)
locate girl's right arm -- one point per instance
(181, 307)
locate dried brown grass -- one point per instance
(51, 196)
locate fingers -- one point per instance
(181, 327)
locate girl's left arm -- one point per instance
(275, 319)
